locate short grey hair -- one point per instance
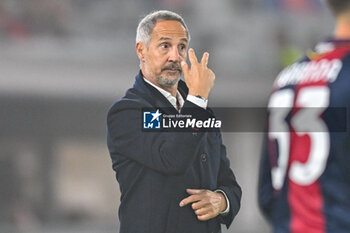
(146, 25)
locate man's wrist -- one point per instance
(201, 102)
(201, 97)
(227, 210)
(198, 93)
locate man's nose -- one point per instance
(174, 54)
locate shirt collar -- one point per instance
(167, 95)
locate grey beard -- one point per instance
(164, 82)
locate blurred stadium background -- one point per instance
(63, 63)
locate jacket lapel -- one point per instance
(156, 98)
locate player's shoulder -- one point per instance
(346, 59)
(316, 66)
(342, 55)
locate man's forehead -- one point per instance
(169, 29)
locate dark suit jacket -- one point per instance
(155, 168)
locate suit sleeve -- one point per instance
(228, 184)
(170, 153)
(265, 189)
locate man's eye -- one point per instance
(182, 47)
(164, 46)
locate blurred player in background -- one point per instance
(304, 183)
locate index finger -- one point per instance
(205, 59)
(192, 56)
(190, 199)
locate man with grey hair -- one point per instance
(169, 181)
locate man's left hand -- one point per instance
(205, 203)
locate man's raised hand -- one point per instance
(199, 79)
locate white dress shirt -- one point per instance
(172, 99)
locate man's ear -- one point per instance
(141, 50)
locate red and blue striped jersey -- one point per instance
(304, 179)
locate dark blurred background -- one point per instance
(64, 62)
